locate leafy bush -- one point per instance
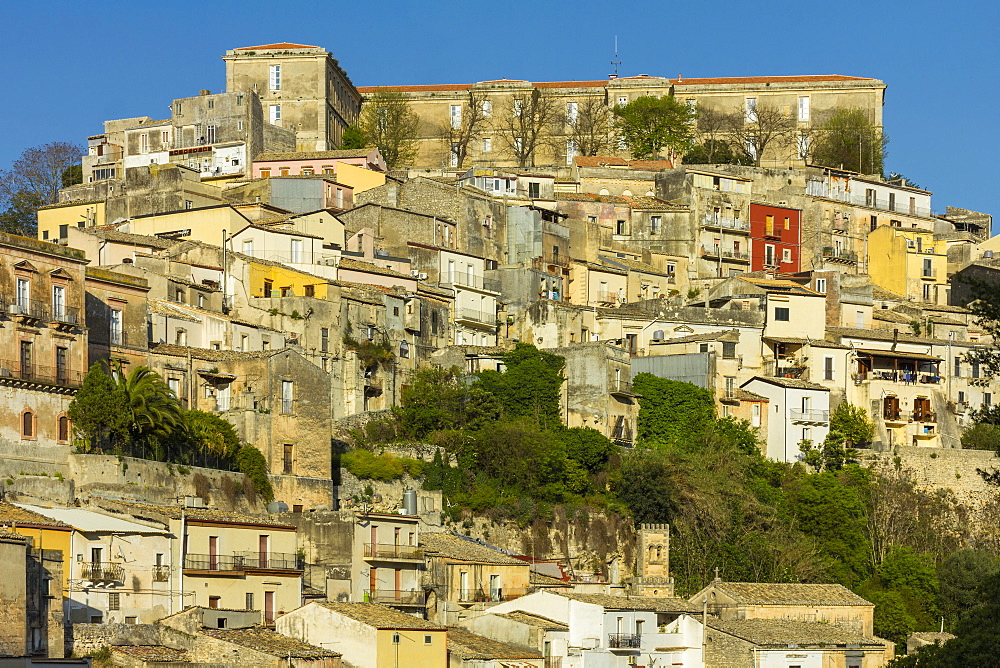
(252, 464)
(386, 466)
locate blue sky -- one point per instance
(71, 65)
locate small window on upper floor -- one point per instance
(781, 313)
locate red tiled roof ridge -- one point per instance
(791, 78)
(276, 45)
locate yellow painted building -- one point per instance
(206, 224)
(369, 634)
(45, 533)
(271, 279)
(53, 220)
(909, 263)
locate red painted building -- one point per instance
(776, 238)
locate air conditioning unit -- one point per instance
(422, 276)
(414, 273)
(658, 335)
(17, 309)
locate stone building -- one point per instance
(300, 87)
(116, 317)
(809, 100)
(42, 297)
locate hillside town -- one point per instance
(276, 401)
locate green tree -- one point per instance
(832, 455)
(252, 464)
(852, 422)
(588, 447)
(671, 411)
(434, 400)
(212, 437)
(99, 414)
(386, 121)
(353, 137)
(981, 436)
(850, 140)
(151, 408)
(530, 386)
(648, 125)
(960, 577)
(34, 180)
(647, 485)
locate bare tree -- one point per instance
(387, 122)
(526, 124)
(34, 180)
(459, 132)
(590, 127)
(714, 127)
(757, 128)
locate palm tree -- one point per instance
(153, 412)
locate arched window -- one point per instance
(27, 424)
(63, 428)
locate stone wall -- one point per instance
(945, 468)
(82, 639)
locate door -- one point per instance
(268, 607)
(60, 365)
(372, 582)
(213, 553)
(264, 545)
(463, 586)
(398, 582)
(495, 594)
(26, 364)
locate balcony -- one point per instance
(65, 315)
(475, 282)
(725, 253)
(243, 561)
(559, 260)
(840, 255)
(490, 595)
(476, 317)
(161, 573)
(396, 597)
(621, 388)
(102, 571)
(28, 309)
(12, 372)
(734, 224)
(929, 274)
(922, 416)
(894, 416)
(389, 552)
(902, 377)
(624, 640)
(809, 415)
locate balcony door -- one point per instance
(268, 607)
(264, 545)
(213, 553)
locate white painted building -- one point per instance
(475, 306)
(799, 411)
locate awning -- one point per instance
(898, 355)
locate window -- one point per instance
(286, 396)
(821, 285)
(928, 268)
(927, 288)
(180, 337)
(274, 78)
(769, 255)
(58, 301)
(571, 151)
(892, 201)
(621, 227)
(283, 171)
(728, 350)
(324, 340)
(265, 173)
(755, 415)
(518, 106)
(786, 255)
(287, 459)
(404, 349)
(487, 108)
(769, 226)
(188, 204)
(239, 126)
(210, 134)
(730, 385)
(297, 250)
(428, 639)
(654, 224)
(165, 137)
(456, 116)
(571, 113)
(27, 424)
(828, 368)
(63, 427)
(622, 100)
(144, 143)
(958, 367)
(213, 602)
(26, 360)
(691, 104)
(114, 601)
(534, 188)
(870, 197)
(62, 370)
(804, 108)
(487, 144)
(274, 113)
(175, 386)
(802, 142)
(23, 292)
(454, 154)
(750, 110)
(702, 347)
(806, 434)
(751, 146)
(781, 314)
(987, 399)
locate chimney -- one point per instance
(679, 77)
(204, 92)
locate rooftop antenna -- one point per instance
(616, 62)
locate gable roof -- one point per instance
(782, 633)
(611, 602)
(458, 548)
(15, 515)
(89, 521)
(788, 593)
(534, 620)
(468, 645)
(158, 513)
(269, 642)
(380, 616)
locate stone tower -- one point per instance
(653, 561)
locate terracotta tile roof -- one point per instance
(102, 274)
(779, 283)
(805, 78)
(535, 620)
(879, 335)
(570, 84)
(211, 355)
(634, 201)
(10, 536)
(775, 632)
(747, 395)
(128, 238)
(416, 89)
(657, 603)
(653, 165)
(358, 265)
(275, 46)
(599, 161)
(789, 593)
(794, 383)
(152, 653)
(11, 515)
(455, 547)
(932, 636)
(885, 295)
(380, 616)
(158, 513)
(315, 155)
(470, 646)
(726, 334)
(634, 265)
(269, 642)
